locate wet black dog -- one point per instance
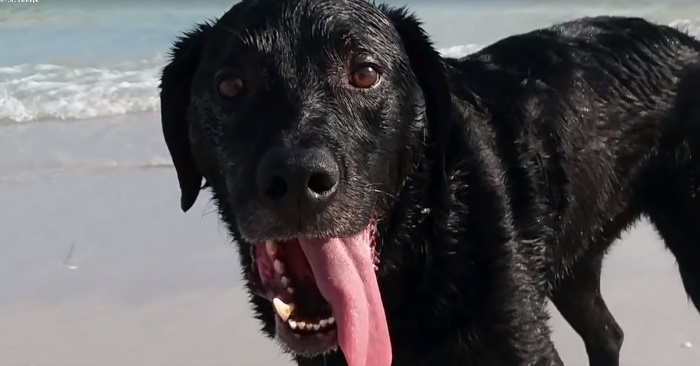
(419, 210)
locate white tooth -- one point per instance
(271, 247)
(293, 324)
(290, 290)
(323, 322)
(309, 326)
(331, 320)
(317, 326)
(285, 281)
(283, 309)
(279, 266)
(301, 325)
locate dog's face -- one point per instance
(296, 115)
(303, 117)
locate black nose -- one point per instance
(296, 178)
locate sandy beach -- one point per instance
(145, 284)
(98, 265)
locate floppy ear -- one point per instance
(428, 67)
(174, 98)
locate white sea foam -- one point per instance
(460, 51)
(38, 92)
(49, 92)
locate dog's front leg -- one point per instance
(521, 336)
(514, 329)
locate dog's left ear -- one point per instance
(174, 98)
(429, 68)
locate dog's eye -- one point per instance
(231, 87)
(364, 77)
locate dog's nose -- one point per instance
(292, 178)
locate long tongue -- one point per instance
(344, 273)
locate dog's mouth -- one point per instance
(324, 293)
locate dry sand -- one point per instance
(146, 284)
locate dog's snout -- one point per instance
(292, 178)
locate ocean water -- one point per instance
(71, 60)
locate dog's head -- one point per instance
(304, 117)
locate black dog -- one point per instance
(419, 210)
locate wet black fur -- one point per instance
(500, 179)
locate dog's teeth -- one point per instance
(283, 309)
(317, 326)
(331, 320)
(323, 322)
(279, 266)
(292, 324)
(285, 281)
(301, 325)
(271, 247)
(290, 290)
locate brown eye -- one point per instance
(231, 87)
(365, 77)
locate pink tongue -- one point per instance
(344, 273)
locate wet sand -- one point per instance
(145, 284)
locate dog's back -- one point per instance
(598, 123)
(595, 112)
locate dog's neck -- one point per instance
(407, 209)
(416, 212)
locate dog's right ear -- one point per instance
(174, 99)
